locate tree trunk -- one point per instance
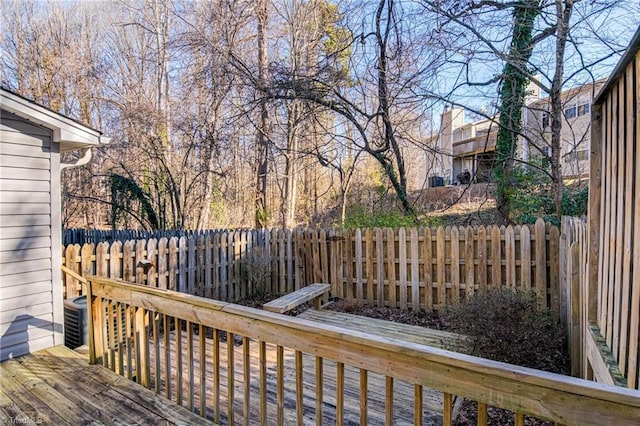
(261, 213)
(398, 179)
(563, 17)
(512, 99)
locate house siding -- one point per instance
(28, 196)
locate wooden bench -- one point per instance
(290, 301)
(379, 327)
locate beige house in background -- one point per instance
(470, 146)
(576, 129)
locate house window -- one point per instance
(573, 156)
(584, 109)
(570, 112)
(545, 119)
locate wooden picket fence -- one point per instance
(575, 297)
(411, 268)
(208, 264)
(428, 268)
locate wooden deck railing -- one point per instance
(136, 329)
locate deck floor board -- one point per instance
(58, 386)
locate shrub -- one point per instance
(532, 197)
(575, 201)
(257, 269)
(508, 326)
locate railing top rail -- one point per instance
(541, 394)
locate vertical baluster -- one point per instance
(167, 356)
(388, 405)
(482, 414)
(340, 394)
(319, 390)
(263, 382)
(280, 385)
(179, 361)
(135, 328)
(144, 346)
(447, 409)
(417, 405)
(246, 365)
(216, 375)
(202, 347)
(156, 349)
(120, 363)
(98, 327)
(299, 388)
(131, 345)
(230, 378)
(111, 341)
(364, 379)
(190, 372)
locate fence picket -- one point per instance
(102, 260)
(402, 263)
(72, 287)
(348, 265)
(525, 258)
(379, 267)
(455, 264)
(162, 262)
(315, 262)
(415, 269)
(87, 260)
(198, 268)
(428, 269)
(440, 265)
(359, 260)
(482, 259)
(469, 260)
(152, 275)
(324, 259)
(208, 266)
(391, 268)
(496, 257)
(541, 263)
(510, 256)
(173, 263)
(553, 257)
(308, 258)
(289, 258)
(282, 283)
(115, 263)
(368, 250)
(230, 284)
(139, 255)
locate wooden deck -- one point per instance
(57, 386)
(164, 338)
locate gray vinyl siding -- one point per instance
(27, 320)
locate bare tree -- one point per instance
(261, 212)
